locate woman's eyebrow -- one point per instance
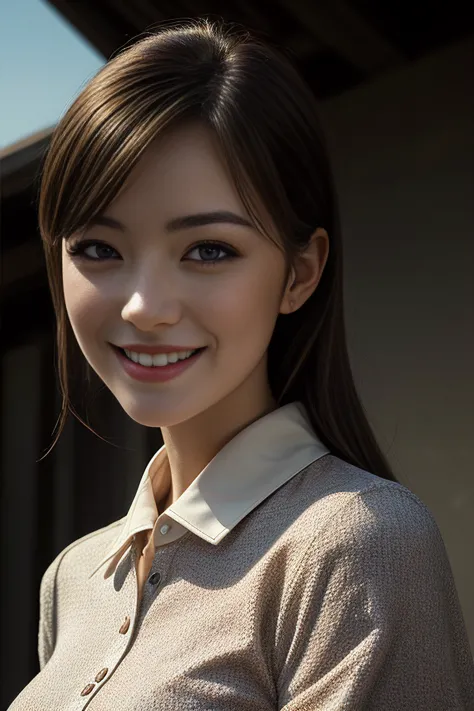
(180, 223)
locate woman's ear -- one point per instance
(307, 271)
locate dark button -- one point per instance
(154, 579)
(125, 625)
(87, 689)
(101, 674)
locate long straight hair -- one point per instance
(248, 92)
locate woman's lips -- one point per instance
(155, 374)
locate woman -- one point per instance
(270, 559)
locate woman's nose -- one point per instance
(147, 312)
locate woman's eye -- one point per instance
(102, 250)
(209, 249)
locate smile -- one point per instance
(160, 369)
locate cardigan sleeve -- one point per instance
(372, 620)
(47, 613)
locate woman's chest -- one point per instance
(155, 637)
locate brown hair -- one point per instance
(249, 93)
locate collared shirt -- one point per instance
(282, 578)
(256, 462)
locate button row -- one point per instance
(154, 579)
(103, 672)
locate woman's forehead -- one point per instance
(184, 169)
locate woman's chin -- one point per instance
(151, 415)
(146, 418)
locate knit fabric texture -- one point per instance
(333, 594)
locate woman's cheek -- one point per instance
(85, 308)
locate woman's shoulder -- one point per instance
(357, 506)
(368, 534)
(372, 602)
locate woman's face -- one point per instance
(151, 285)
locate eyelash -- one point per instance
(77, 250)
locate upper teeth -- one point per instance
(157, 358)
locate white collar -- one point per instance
(249, 468)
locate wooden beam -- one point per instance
(20, 163)
(136, 14)
(338, 26)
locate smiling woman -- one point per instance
(156, 125)
(269, 560)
